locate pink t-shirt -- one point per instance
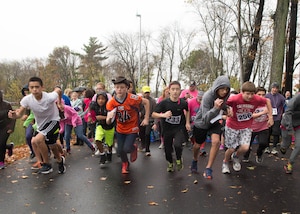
(243, 110)
(192, 93)
(193, 106)
(260, 123)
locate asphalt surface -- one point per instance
(149, 188)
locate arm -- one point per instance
(146, 104)
(187, 121)
(18, 113)
(270, 116)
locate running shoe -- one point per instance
(274, 151)
(267, 150)
(194, 167)
(46, 169)
(109, 157)
(288, 168)
(125, 166)
(207, 173)
(102, 159)
(170, 167)
(133, 155)
(2, 165)
(258, 159)
(179, 164)
(225, 168)
(236, 162)
(61, 166)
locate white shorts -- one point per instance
(237, 137)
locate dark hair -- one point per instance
(260, 89)
(174, 83)
(89, 93)
(36, 79)
(248, 87)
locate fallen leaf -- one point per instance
(235, 187)
(51, 179)
(251, 167)
(90, 182)
(195, 181)
(152, 203)
(42, 202)
(27, 205)
(24, 176)
(103, 178)
(67, 194)
(127, 182)
(73, 210)
(185, 190)
(150, 187)
(14, 181)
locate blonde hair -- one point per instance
(68, 92)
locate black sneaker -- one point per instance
(61, 166)
(102, 159)
(46, 169)
(32, 155)
(109, 157)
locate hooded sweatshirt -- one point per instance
(207, 111)
(291, 117)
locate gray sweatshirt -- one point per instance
(207, 110)
(291, 117)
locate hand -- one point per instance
(167, 114)
(154, 127)
(188, 127)
(145, 122)
(12, 114)
(9, 131)
(218, 103)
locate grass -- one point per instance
(18, 136)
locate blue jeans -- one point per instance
(125, 144)
(79, 133)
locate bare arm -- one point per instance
(146, 104)
(18, 113)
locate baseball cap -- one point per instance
(193, 83)
(200, 93)
(274, 85)
(146, 89)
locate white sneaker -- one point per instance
(225, 168)
(114, 151)
(267, 150)
(274, 151)
(97, 153)
(236, 162)
(161, 146)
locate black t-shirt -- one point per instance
(177, 108)
(101, 110)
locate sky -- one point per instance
(33, 28)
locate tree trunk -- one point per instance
(290, 55)
(279, 40)
(252, 50)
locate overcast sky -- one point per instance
(33, 28)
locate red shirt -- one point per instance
(243, 110)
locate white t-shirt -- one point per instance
(44, 110)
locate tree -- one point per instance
(279, 40)
(290, 53)
(91, 65)
(197, 66)
(252, 50)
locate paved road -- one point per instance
(87, 188)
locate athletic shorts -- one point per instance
(50, 131)
(237, 137)
(200, 135)
(107, 134)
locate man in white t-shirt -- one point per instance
(45, 108)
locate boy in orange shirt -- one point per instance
(124, 107)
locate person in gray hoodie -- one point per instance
(208, 122)
(290, 124)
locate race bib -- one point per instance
(243, 116)
(174, 119)
(274, 111)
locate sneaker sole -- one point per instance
(47, 172)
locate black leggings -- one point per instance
(3, 139)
